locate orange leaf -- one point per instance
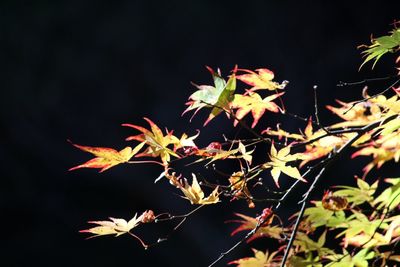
(156, 141)
(254, 103)
(248, 223)
(106, 157)
(261, 80)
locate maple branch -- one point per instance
(315, 87)
(373, 96)
(172, 217)
(299, 216)
(340, 84)
(329, 162)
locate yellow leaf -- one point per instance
(195, 194)
(156, 141)
(114, 226)
(278, 162)
(260, 259)
(106, 157)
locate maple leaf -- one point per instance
(385, 148)
(215, 152)
(217, 97)
(375, 239)
(195, 194)
(248, 223)
(305, 244)
(260, 80)
(318, 143)
(278, 164)
(389, 197)
(390, 126)
(348, 259)
(260, 259)
(239, 188)
(114, 226)
(356, 114)
(246, 155)
(106, 157)
(186, 142)
(357, 196)
(332, 202)
(254, 103)
(156, 141)
(320, 216)
(381, 46)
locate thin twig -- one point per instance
(373, 96)
(340, 84)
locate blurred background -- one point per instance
(78, 69)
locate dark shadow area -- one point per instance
(78, 69)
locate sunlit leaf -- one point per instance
(263, 79)
(248, 223)
(217, 97)
(278, 164)
(106, 157)
(156, 141)
(255, 104)
(260, 259)
(113, 226)
(195, 194)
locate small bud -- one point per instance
(148, 216)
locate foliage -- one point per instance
(362, 218)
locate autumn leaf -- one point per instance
(215, 152)
(356, 114)
(186, 141)
(217, 97)
(260, 80)
(278, 164)
(195, 194)
(248, 223)
(357, 196)
(349, 260)
(260, 259)
(389, 198)
(156, 141)
(320, 216)
(246, 155)
(390, 127)
(238, 186)
(333, 202)
(114, 226)
(254, 103)
(106, 157)
(305, 244)
(382, 150)
(360, 225)
(368, 240)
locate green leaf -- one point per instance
(359, 195)
(216, 97)
(387, 42)
(390, 127)
(319, 216)
(390, 197)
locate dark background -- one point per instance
(78, 69)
